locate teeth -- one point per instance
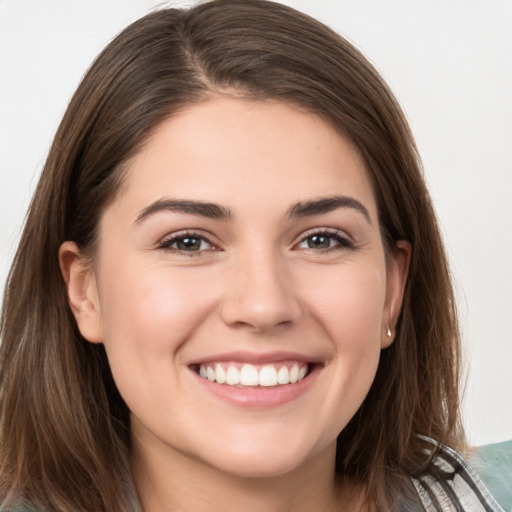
(250, 375)
(210, 374)
(283, 376)
(220, 374)
(268, 376)
(232, 376)
(294, 373)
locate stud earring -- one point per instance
(388, 332)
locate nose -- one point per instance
(259, 294)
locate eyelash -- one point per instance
(166, 243)
(342, 242)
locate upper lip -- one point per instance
(256, 358)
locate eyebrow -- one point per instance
(215, 211)
(200, 208)
(326, 205)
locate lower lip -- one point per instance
(260, 397)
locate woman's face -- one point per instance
(241, 287)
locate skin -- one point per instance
(257, 283)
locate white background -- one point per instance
(448, 61)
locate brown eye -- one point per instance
(188, 243)
(319, 241)
(325, 240)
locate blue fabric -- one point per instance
(493, 463)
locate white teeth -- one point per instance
(294, 373)
(232, 376)
(210, 374)
(268, 376)
(250, 375)
(220, 374)
(283, 376)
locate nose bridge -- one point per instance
(259, 292)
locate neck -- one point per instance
(166, 482)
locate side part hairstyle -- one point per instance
(64, 428)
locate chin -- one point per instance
(267, 466)
(268, 460)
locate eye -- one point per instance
(325, 240)
(187, 243)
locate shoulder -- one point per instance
(451, 484)
(493, 463)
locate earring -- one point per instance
(388, 332)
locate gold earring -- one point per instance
(388, 332)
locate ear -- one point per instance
(82, 290)
(397, 271)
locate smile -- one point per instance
(251, 375)
(257, 381)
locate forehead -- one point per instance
(243, 153)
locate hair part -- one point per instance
(64, 428)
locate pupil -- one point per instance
(318, 241)
(189, 243)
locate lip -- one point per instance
(258, 397)
(256, 358)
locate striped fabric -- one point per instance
(452, 485)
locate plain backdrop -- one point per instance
(448, 61)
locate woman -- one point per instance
(231, 290)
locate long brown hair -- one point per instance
(64, 428)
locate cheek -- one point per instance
(146, 310)
(352, 316)
(148, 313)
(350, 305)
(350, 311)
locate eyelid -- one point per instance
(165, 242)
(346, 240)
